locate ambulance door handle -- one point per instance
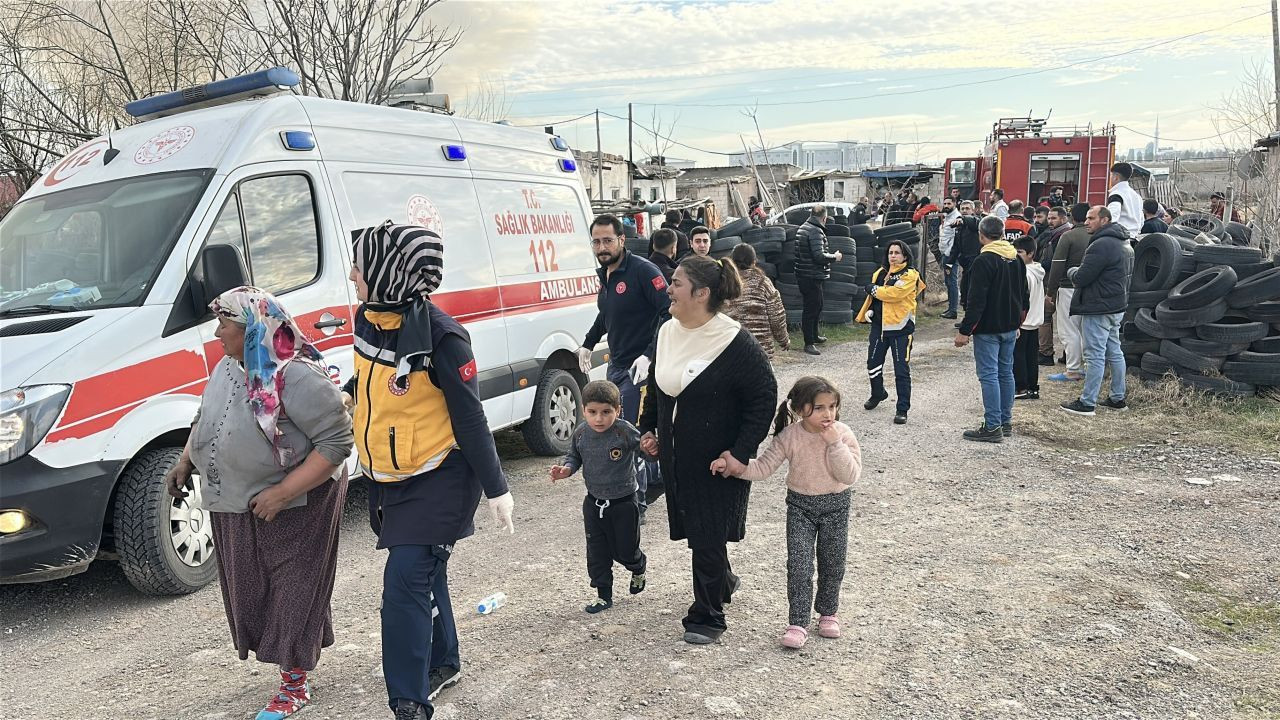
(329, 324)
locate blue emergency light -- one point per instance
(298, 140)
(568, 165)
(264, 82)
(455, 153)
(558, 143)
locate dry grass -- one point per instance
(1157, 411)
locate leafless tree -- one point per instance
(659, 136)
(1243, 116)
(354, 50)
(486, 101)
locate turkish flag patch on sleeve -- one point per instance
(468, 371)
(659, 282)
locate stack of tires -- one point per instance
(1209, 314)
(841, 290)
(1191, 225)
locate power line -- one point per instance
(974, 82)
(559, 122)
(1215, 136)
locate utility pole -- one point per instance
(1275, 56)
(599, 162)
(631, 158)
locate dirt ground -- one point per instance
(1022, 580)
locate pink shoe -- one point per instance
(829, 626)
(795, 637)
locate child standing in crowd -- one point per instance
(1026, 351)
(824, 461)
(605, 447)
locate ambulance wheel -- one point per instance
(557, 410)
(165, 545)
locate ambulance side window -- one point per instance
(227, 230)
(280, 227)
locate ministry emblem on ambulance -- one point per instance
(422, 212)
(165, 145)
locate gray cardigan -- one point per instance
(231, 454)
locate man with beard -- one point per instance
(1046, 244)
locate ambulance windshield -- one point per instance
(94, 246)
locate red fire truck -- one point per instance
(1027, 159)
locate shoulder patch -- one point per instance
(659, 282)
(468, 371)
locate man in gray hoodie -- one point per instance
(1101, 297)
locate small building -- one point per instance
(654, 183)
(730, 187)
(615, 174)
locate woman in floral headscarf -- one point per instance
(269, 444)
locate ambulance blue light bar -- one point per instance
(455, 153)
(298, 140)
(568, 165)
(264, 82)
(558, 143)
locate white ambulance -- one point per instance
(108, 262)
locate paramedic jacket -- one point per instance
(633, 302)
(425, 443)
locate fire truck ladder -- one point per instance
(1097, 168)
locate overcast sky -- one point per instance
(932, 76)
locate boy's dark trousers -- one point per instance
(613, 533)
(1026, 361)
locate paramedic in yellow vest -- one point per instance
(425, 446)
(890, 307)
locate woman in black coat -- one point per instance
(711, 390)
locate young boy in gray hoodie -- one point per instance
(604, 446)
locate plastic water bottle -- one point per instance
(491, 603)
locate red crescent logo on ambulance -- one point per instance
(620, 288)
(165, 145)
(78, 160)
(422, 212)
(468, 371)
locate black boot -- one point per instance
(875, 399)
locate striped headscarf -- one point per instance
(400, 263)
(272, 340)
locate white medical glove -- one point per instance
(584, 360)
(501, 507)
(640, 370)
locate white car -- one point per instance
(108, 262)
(833, 209)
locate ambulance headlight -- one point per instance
(26, 414)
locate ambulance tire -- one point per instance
(548, 431)
(143, 524)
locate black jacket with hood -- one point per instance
(1102, 280)
(813, 260)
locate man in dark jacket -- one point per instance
(1101, 297)
(664, 252)
(671, 222)
(996, 300)
(1151, 222)
(1059, 222)
(965, 246)
(813, 267)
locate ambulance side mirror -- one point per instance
(222, 270)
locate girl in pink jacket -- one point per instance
(824, 461)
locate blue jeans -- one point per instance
(951, 274)
(415, 587)
(994, 356)
(1102, 349)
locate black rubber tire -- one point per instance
(1145, 320)
(1200, 223)
(1240, 234)
(844, 245)
(1155, 263)
(725, 243)
(1212, 312)
(867, 268)
(1265, 311)
(1184, 233)
(1155, 363)
(1218, 385)
(1258, 288)
(1254, 373)
(142, 525)
(865, 254)
(1149, 377)
(836, 317)
(1269, 344)
(734, 227)
(1232, 330)
(1147, 298)
(1139, 347)
(832, 288)
(539, 433)
(776, 233)
(1227, 254)
(768, 248)
(1202, 288)
(1184, 358)
(1257, 357)
(769, 269)
(1245, 271)
(893, 229)
(1211, 348)
(837, 230)
(753, 234)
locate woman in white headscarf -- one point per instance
(269, 443)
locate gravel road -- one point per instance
(1006, 581)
